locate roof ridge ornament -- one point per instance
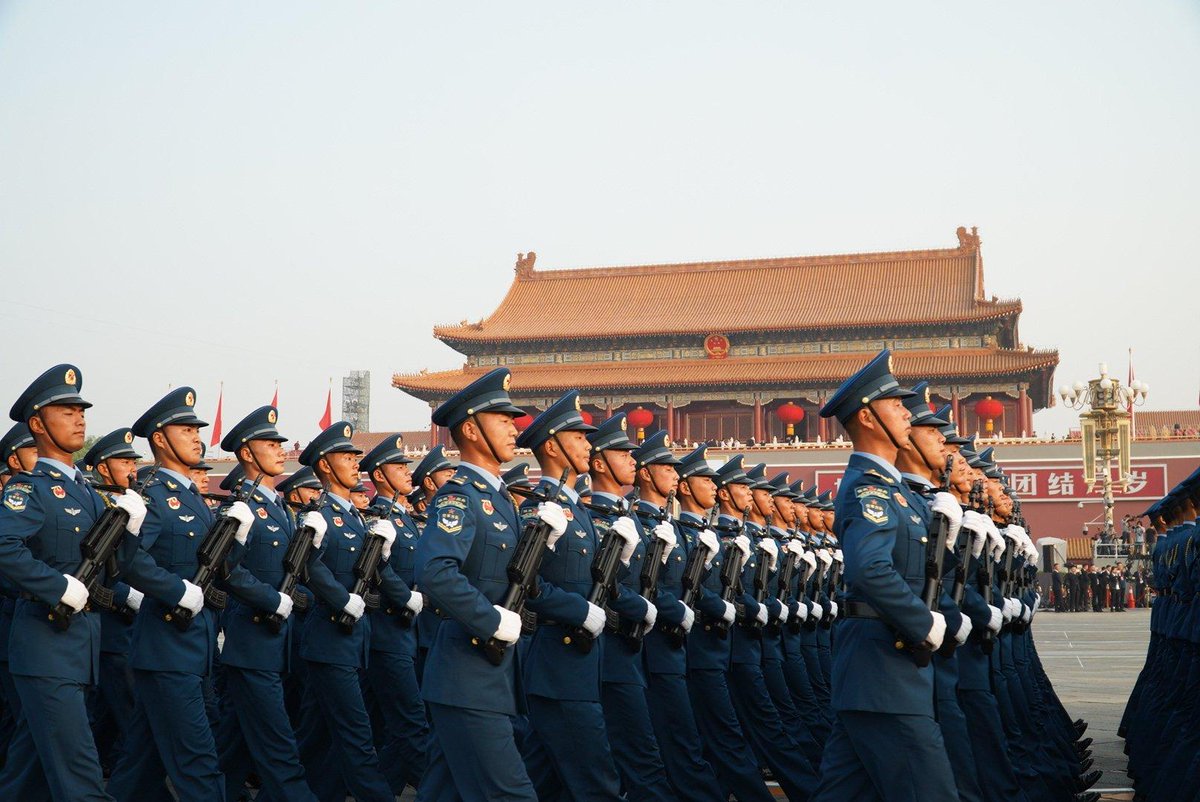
(524, 268)
(968, 241)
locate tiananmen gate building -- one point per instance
(733, 349)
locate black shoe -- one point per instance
(1090, 796)
(1085, 754)
(1082, 743)
(1080, 726)
(1085, 765)
(1087, 781)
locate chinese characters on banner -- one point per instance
(1058, 483)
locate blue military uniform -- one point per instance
(170, 667)
(15, 438)
(254, 718)
(44, 516)
(336, 741)
(885, 743)
(392, 671)
(623, 681)
(428, 620)
(562, 682)
(461, 562)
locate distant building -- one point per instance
(712, 350)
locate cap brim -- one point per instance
(896, 392)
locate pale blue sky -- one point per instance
(192, 193)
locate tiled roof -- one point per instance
(786, 294)
(820, 370)
(1167, 417)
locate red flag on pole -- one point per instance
(275, 398)
(216, 429)
(327, 418)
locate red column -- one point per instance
(1022, 421)
(608, 409)
(433, 434)
(758, 421)
(954, 409)
(670, 419)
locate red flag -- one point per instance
(327, 418)
(216, 429)
(275, 398)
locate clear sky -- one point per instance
(193, 193)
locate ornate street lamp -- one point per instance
(1106, 430)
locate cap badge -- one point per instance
(577, 406)
(271, 416)
(507, 381)
(190, 399)
(624, 425)
(399, 442)
(128, 437)
(346, 430)
(70, 378)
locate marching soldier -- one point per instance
(46, 513)
(18, 454)
(336, 744)
(885, 743)
(391, 670)
(461, 564)
(255, 657)
(170, 665)
(623, 680)
(433, 471)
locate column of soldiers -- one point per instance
(475, 636)
(1161, 723)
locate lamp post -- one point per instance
(1105, 430)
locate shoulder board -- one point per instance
(480, 485)
(458, 479)
(883, 476)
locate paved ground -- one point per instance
(1093, 660)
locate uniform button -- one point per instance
(274, 542)
(503, 546)
(77, 529)
(351, 548)
(678, 558)
(191, 534)
(582, 551)
(924, 540)
(410, 548)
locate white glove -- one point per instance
(948, 505)
(964, 630)
(387, 531)
(784, 612)
(771, 549)
(818, 611)
(995, 540)
(594, 623)
(761, 615)
(689, 617)
(316, 522)
(1037, 601)
(708, 539)
(801, 611)
(794, 547)
(552, 513)
(742, 544)
(997, 619)
(509, 630)
(416, 602)
(193, 598)
(134, 600)
(730, 612)
(976, 524)
(285, 606)
(666, 533)
(936, 632)
(1016, 533)
(626, 529)
(825, 557)
(356, 606)
(240, 512)
(1026, 614)
(133, 504)
(651, 614)
(76, 594)
(837, 555)
(1012, 609)
(833, 610)
(810, 558)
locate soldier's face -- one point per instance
(576, 449)
(960, 472)
(501, 433)
(827, 519)
(343, 467)
(931, 443)
(739, 496)
(303, 495)
(184, 443)
(664, 477)
(267, 455)
(438, 478)
(816, 519)
(399, 477)
(360, 500)
(66, 424)
(703, 490)
(800, 513)
(620, 465)
(117, 471)
(23, 459)
(200, 479)
(784, 510)
(896, 417)
(762, 502)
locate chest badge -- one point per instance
(173, 502)
(337, 520)
(488, 507)
(272, 528)
(262, 513)
(874, 511)
(72, 510)
(450, 520)
(58, 491)
(187, 519)
(900, 499)
(915, 519)
(499, 526)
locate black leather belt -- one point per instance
(857, 609)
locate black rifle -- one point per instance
(522, 570)
(759, 586)
(935, 559)
(693, 575)
(295, 565)
(604, 581)
(986, 571)
(831, 587)
(731, 575)
(98, 550)
(633, 632)
(210, 561)
(366, 572)
(783, 584)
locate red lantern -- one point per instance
(522, 422)
(989, 409)
(790, 414)
(587, 416)
(640, 418)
